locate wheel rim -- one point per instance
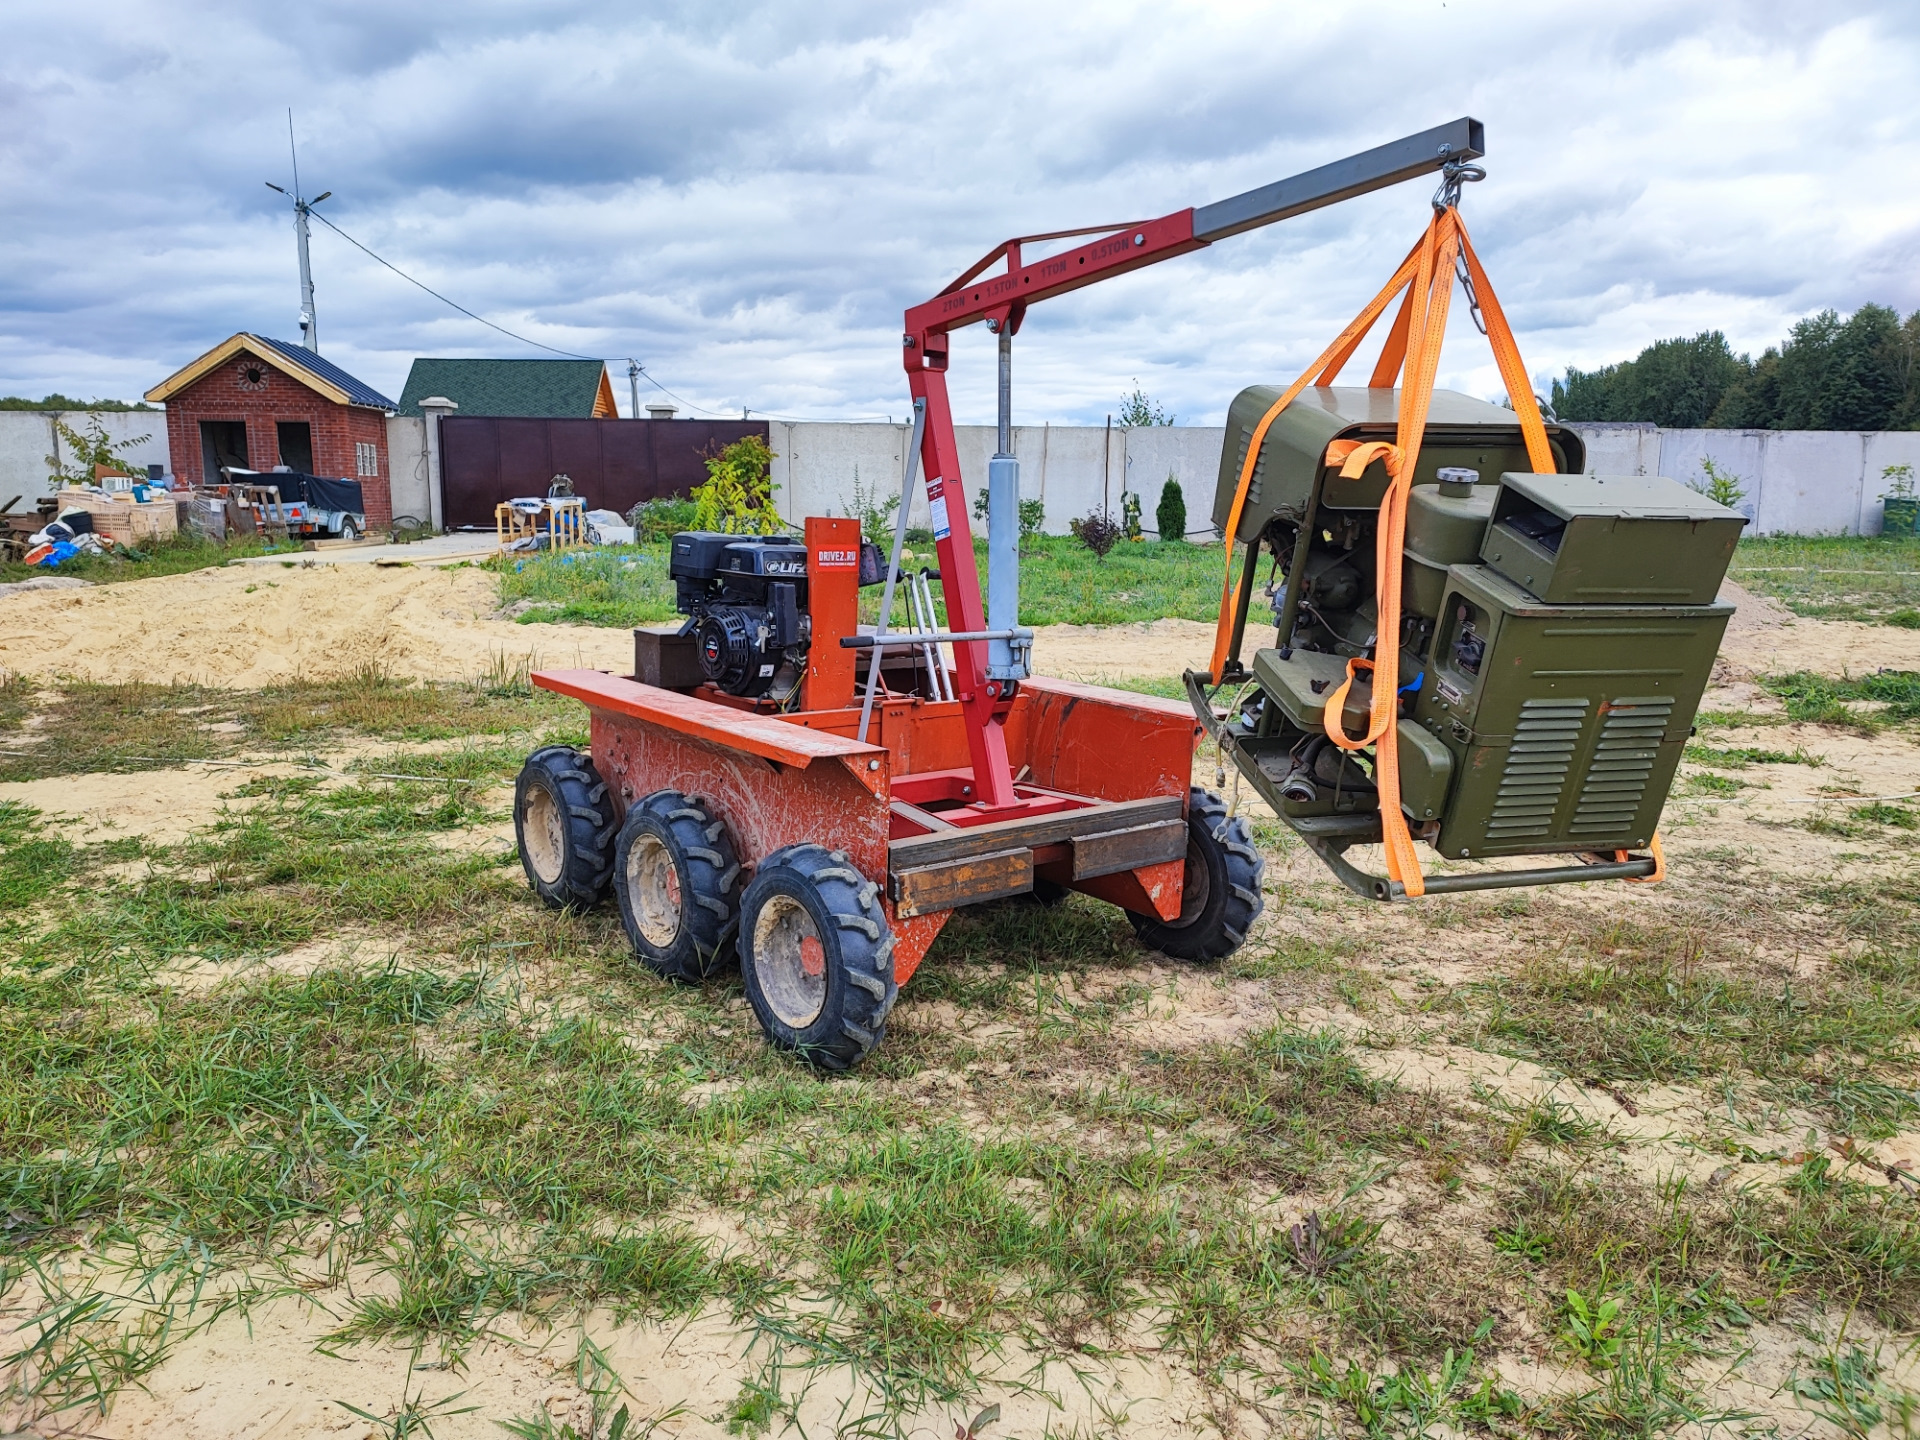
(789, 961)
(653, 890)
(1196, 887)
(543, 830)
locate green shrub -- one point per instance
(737, 497)
(1723, 487)
(1171, 513)
(877, 513)
(1033, 514)
(1098, 532)
(662, 518)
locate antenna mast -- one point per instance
(302, 207)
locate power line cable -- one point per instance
(671, 396)
(524, 340)
(541, 345)
(511, 335)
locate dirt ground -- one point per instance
(257, 624)
(266, 1374)
(249, 625)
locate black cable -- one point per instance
(443, 299)
(538, 345)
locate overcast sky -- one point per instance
(747, 196)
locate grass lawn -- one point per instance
(616, 585)
(498, 1109)
(1836, 577)
(1061, 583)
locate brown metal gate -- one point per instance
(614, 464)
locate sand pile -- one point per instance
(1151, 649)
(1766, 638)
(255, 625)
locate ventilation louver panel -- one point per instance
(1623, 761)
(1538, 761)
(1259, 467)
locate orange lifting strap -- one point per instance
(1413, 343)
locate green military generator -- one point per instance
(1557, 632)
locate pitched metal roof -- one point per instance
(565, 389)
(317, 374)
(358, 391)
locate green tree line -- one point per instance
(1830, 373)
(57, 401)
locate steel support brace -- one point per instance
(1330, 844)
(1007, 653)
(979, 695)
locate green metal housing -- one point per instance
(1558, 632)
(1610, 539)
(1461, 431)
(1566, 722)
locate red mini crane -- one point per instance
(1002, 301)
(744, 793)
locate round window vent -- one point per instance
(253, 375)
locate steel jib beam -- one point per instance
(1185, 231)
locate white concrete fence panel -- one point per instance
(412, 486)
(1073, 469)
(1797, 482)
(27, 437)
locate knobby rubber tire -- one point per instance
(708, 870)
(1223, 900)
(569, 780)
(858, 944)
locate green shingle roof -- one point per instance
(555, 388)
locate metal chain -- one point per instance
(1453, 175)
(1466, 283)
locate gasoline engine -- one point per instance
(745, 599)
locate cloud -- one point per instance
(746, 196)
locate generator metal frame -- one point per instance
(1330, 837)
(1526, 756)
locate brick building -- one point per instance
(254, 403)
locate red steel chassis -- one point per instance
(1099, 781)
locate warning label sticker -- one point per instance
(941, 529)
